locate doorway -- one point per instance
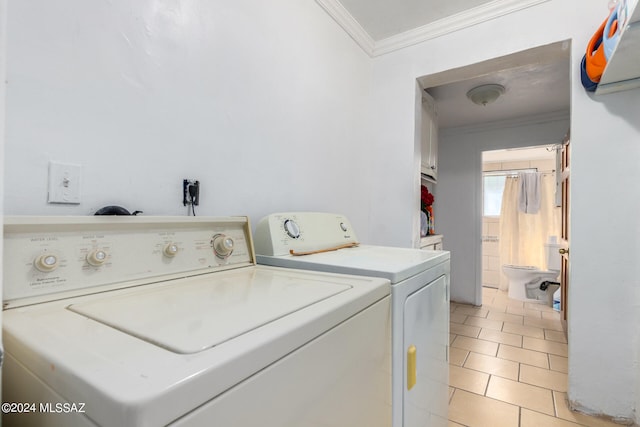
(533, 110)
(500, 169)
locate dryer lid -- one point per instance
(201, 312)
(395, 264)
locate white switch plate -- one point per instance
(64, 183)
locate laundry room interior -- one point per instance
(301, 106)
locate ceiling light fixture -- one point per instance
(485, 94)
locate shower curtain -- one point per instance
(523, 235)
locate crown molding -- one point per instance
(452, 23)
(336, 10)
(435, 29)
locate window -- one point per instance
(492, 189)
(493, 186)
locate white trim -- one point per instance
(552, 116)
(435, 29)
(336, 10)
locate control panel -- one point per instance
(279, 233)
(45, 256)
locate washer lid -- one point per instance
(127, 381)
(202, 313)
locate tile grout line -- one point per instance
(486, 387)
(519, 416)
(553, 396)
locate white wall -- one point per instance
(605, 273)
(604, 321)
(264, 102)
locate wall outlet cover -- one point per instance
(64, 183)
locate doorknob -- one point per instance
(563, 251)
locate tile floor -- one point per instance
(508, 366)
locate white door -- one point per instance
(426, 361)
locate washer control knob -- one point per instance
(46, 262)
(343, 226)
(292, 229)
(170, 250)
(97, 257)
(222, 245)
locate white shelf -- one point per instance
(433, 241)
(623, 70)
(427, 178)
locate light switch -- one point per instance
(64, 183)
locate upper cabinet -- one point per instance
(429, 138)
(623, 69)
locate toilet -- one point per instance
(524, 281)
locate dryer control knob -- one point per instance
(46, 262)
(97, 257)
(222, 245)
(292, 229)
(170, 250)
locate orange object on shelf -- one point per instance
(595, 58)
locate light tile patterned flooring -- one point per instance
(508, 366)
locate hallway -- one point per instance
(508, 366)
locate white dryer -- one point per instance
(153, 321)
(419, 293)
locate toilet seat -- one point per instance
(521, 267)
(530, 268)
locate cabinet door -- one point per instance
(429, 137)
(426, 364)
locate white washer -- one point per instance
(420, 301)
(149, 321)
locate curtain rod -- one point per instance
(515, 171)
(515, 175)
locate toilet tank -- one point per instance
(553, 256)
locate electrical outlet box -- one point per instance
(64, 183)
(190, 192)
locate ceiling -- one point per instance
(385, 18)
(537, 81)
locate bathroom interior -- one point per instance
(517, 241)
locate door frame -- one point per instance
(565, 181)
